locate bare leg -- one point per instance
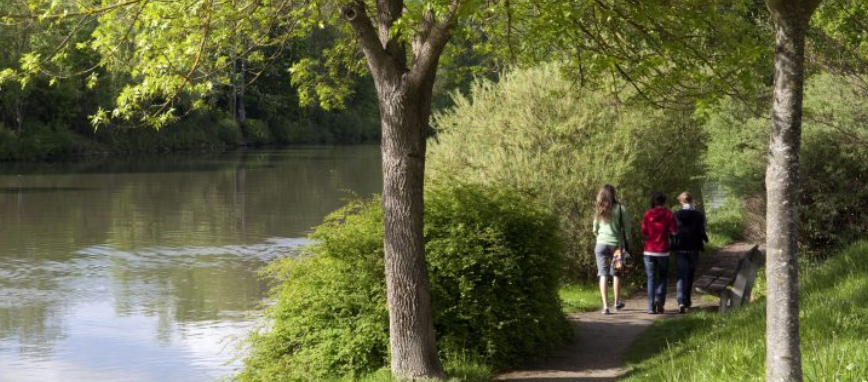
(617, 287)
(604, 292)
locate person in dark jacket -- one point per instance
(658, 226)
(689, 241)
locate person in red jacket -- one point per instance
(657, 226)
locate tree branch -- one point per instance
(428, 48)
(389, 11)
(357, 16)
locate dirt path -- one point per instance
(596, 354)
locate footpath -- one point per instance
(596, 353)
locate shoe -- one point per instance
(658, 307)
(651, 312)
(682, 309)
(606, 311)
(619, 305)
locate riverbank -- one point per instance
(202, 133)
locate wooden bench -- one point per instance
(741, 277)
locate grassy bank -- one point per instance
(712, 347)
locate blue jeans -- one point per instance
(655, 269)
(685, 263)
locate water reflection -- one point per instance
(138, 270)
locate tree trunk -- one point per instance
(242, 87)
(411, 328)
(404, 97)
(783, 356)
(19, 113)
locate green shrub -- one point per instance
(493, 263)
(494, 260)
(536, 132)
(228, 131)
(256, 132)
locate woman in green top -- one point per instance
(611, 227)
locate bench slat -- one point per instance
(720, 283)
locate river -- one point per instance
(145, 269)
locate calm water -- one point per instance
(146, 269)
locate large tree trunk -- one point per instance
(411, 328)
(783, 356)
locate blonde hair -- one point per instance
(685, 198)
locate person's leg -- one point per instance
(601, 255)
(604, 291)
(682, 285)
(650, 273)
(692, 262)
(663, 267)
(616, 285)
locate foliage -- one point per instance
(725, 224)
(493, 262)
(535, 132)
(837, 41)
(708, 346)
(256, 131)
(76, 65)
(737, 146)
(833, 195)
(666, 52)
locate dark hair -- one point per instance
(658, 199)
(606, 200)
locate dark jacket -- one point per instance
(691, 231)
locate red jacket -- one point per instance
(657, 225)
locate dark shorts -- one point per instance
(604, 254)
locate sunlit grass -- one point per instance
(712, 347)
(458, 369)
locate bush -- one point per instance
(228, 132)
(256, 132)
(493, 263)
(535, 132)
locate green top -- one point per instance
(609, 232)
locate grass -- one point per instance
(579, 297)
(725, 224)
(460, 369)
(712, 347)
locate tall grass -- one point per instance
(711, 347)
